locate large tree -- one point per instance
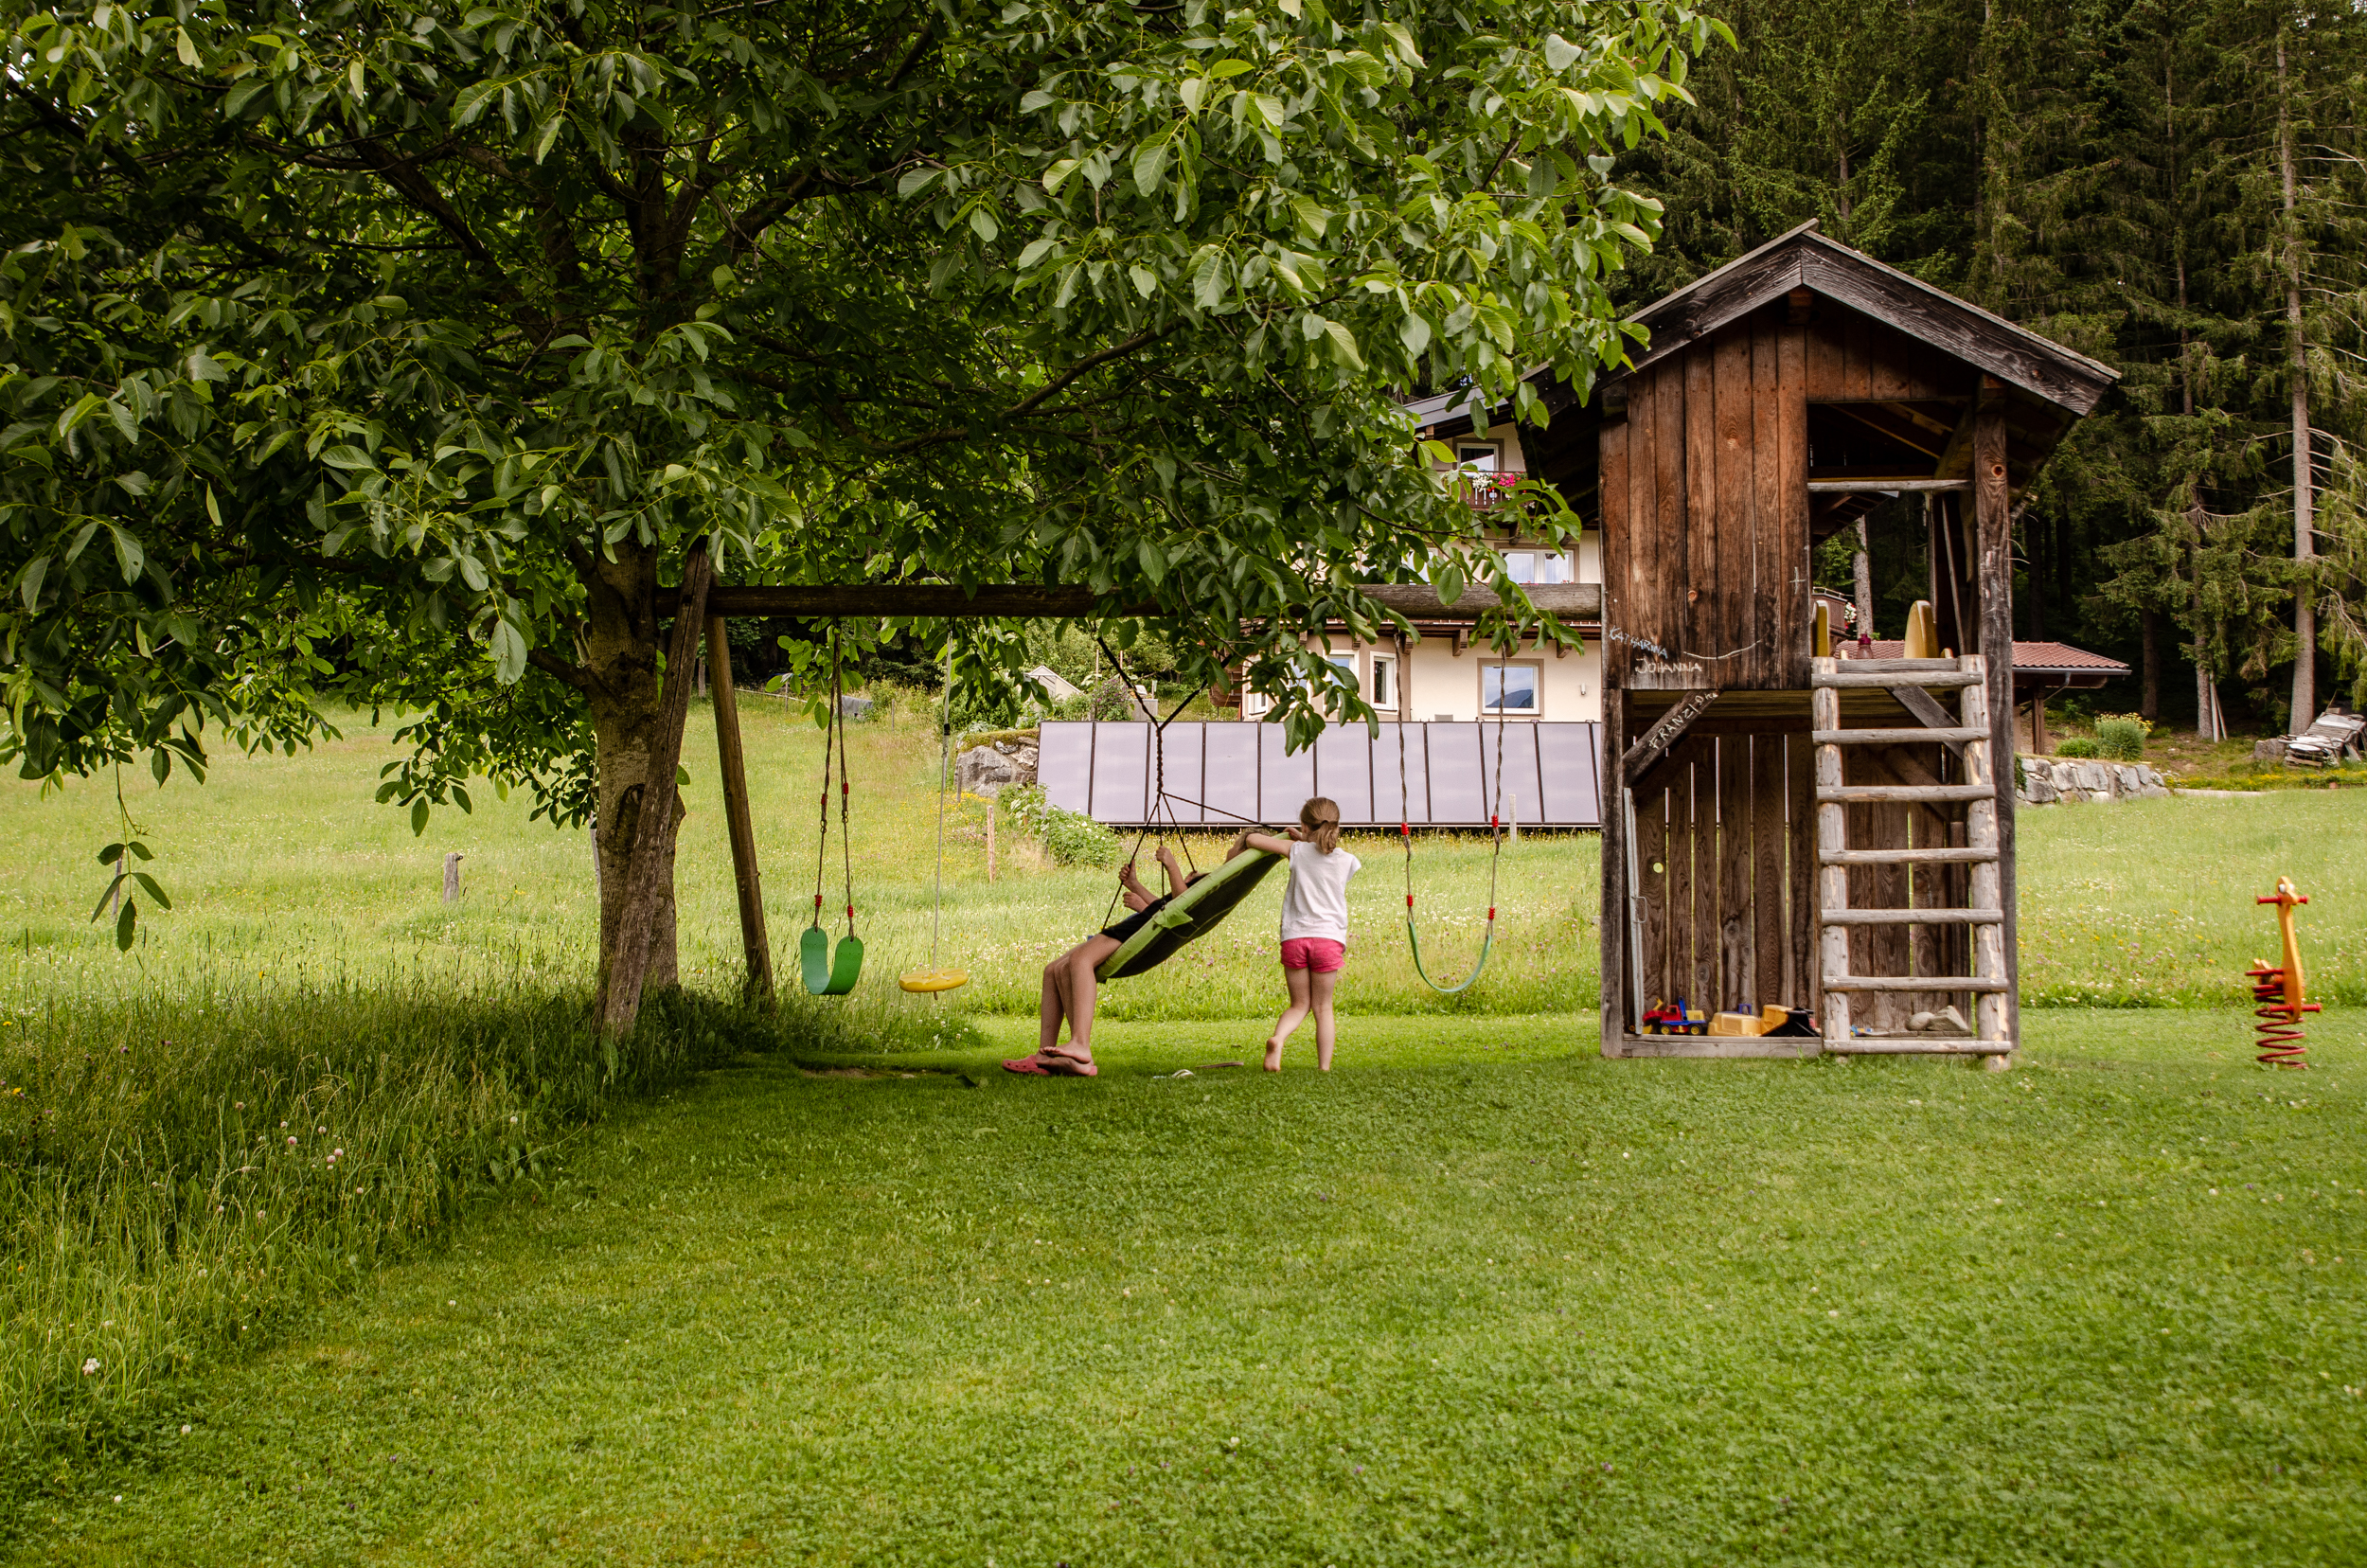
(460, 326)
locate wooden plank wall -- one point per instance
(1850, 357)
(1726, 861)
(1724, 839)
(1706, 516)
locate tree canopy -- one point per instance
(440, 334)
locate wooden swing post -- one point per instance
(737, 816)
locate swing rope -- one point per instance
(933, 979)
(1159, 800)
(822, 839)
(1495, 858)
(846, 833)
(945, 753)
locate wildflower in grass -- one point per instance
(90, 1366)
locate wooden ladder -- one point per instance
(1969, 737)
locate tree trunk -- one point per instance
(2304, 540)
(2206, 711)
(2149, 642)
(2033, 544)
(626, 692)
(1862, 567)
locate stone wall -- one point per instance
(2046, 781)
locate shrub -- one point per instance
(2122, 740)
(1070, 837)
(2079, 745)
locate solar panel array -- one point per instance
(1223, 775)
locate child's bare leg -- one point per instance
(1293, 1016)
(1080, 988)
(1065, 996)
(1054, 1007)
(1319, 988)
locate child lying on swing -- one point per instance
(1069, 985)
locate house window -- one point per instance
(1513, 690)
(1385, 692)
(1530, 568)
(1346, 664)
(1478, 457)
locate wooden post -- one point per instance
(1991, 1014)
(1832, 880)
(452, 878)
(1613, 795)
(1994, 521)
(2038, 736)
(644, 867)
(736, 817)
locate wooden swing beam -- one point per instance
(714, 606)
(1026, 601)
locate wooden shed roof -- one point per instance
(1804, 259)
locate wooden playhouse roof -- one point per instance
(2044, 385)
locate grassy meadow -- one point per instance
(1476, 1296)
(242, 1165)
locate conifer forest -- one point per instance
(2173, 188)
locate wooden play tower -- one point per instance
(1828, 833)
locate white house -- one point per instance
(1443, 677)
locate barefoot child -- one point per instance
(1069, 987)
(1315, 923)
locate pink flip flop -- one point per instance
(1033, 1067)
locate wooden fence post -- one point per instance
(452, 878)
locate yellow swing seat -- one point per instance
(933, 980)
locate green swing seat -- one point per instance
(1189, 915)
(825, 975)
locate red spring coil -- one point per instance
(2280, 1030)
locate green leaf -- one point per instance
(509, 653)
(1560, 54)
(350, 458)
(1058, 175)
(125, 923)
(154, 891)
(1150, 160)
(1154, 563)
(1414, 331)
(418, 816)
(160, 764)
(1146, 282)
(1037, 250)
(1343, 345)
(983, 220)
(129, 555)
(28, 587)
(916, 181)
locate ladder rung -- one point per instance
(1895, 736)
(1905, 857)
(1942, 983)
(1911, 917)
(1900, 794)
(1856, 681)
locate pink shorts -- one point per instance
(1316, 955)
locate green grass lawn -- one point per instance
(1807, 1312)
(1478, 1296)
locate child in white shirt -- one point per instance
(1314, 923)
